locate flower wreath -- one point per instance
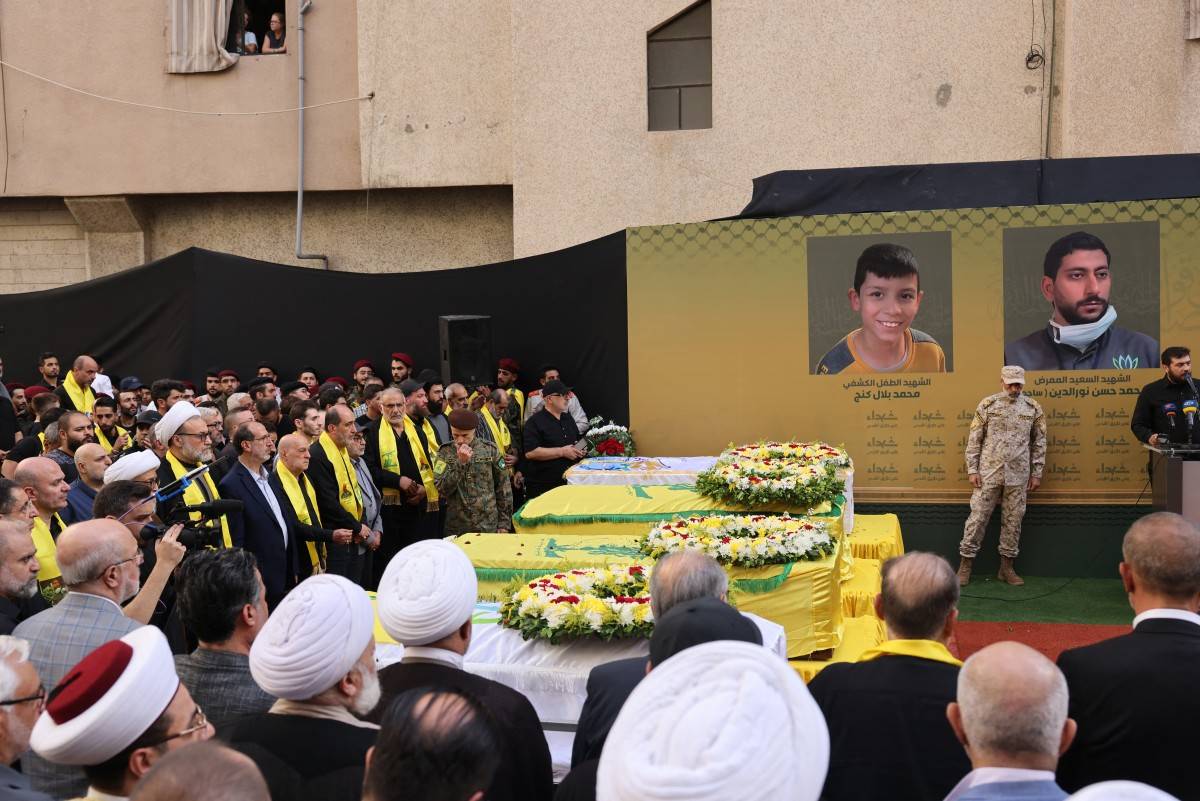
(742, 540)
(797, 474)
(609, 439)
(603, 602)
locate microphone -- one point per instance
(1190, 408)
(1170, 409)
(165, 493)
(1191, 384)
(216, 508)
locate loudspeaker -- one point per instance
(466, 346)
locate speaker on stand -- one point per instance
(465, 343)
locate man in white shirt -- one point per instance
(551, 373)
(1011, 717)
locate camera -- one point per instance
(196, 534)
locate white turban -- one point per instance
(1122, 791)
(108, 700)
(175, 417)
(716, 721)
(313, 638)
(131, 466)
(428, 590)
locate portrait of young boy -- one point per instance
(887, 295)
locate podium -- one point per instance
(1176, 471)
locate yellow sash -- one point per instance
(499, 430)
(349, 493)
(519, 397)
(429, 464)
(924, 649)
(389, 460)
(47, 551)
(42, 439)
(194, 495)
(82, 398)
(296, 493)
(103, 440)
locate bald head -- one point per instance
(1162, 551)
(86, 548)
(91, 460)
(918, 597)
(84, 369)
(43, 481)
(293, 442)
(203, 771)
(1012, 707)
(685, 576)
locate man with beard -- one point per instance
(91, 461)
(18, 575)
(74, 431)
(99, 561)
(1081, 335)
(212, 386)
(308, 420)
(128, 402)
(496, 417)
(398, 453)
(363, 370)
(189, 445)
(19, 712)
(435, 399)
(507, 373)
(110, 436)
(316, 654)
(34, 442)
(48, 368)
(24, 414)
(339, 495)
(43, 482)
(402, 367)
(15, 505)
(230, 382)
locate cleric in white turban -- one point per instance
(716, 721)
(316, 654)
(175, 417)
(132, 467)
(119, 711)
(425, 599)
(1121, 791)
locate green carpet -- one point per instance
(1046, 600)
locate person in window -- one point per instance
(273, 41)
(249, 40)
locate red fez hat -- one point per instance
(35, 390)
(361, 363)
(511, 365)
(403, 357)
(228, 374)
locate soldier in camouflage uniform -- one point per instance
(1006, 453)
(474, 486)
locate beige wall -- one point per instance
(395, 230)
(60, 143)
(41, 246)
(442, 77)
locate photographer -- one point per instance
(133, 505)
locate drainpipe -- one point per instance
(300, 254)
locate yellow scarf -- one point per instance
(519, 397)
(349, 493)
(42, 439)
(296, 493)
(923, 649)
(194, 495)
(82, 398)
(430, 464)
(103, 440)
(499, 430)
(47, 551)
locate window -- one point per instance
(679, 71)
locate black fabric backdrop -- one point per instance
(196, 309)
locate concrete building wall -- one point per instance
(41, 245)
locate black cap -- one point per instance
(148, 418)
(288, 387)
(429, 376)
(555, 387)
(696, 622)
(257, 382)
(408, 386)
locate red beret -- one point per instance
(337, 379)
(403, 357)
(511, 365)
(189, 385)
(13, 386)
(361, 363)
(228, 374)
(35, 390)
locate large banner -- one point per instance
(749, 329)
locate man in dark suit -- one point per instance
(425, 602)
(888, 733)
(267, 525)
(1135, 697)
(339, 496)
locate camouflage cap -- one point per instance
(1012, 374)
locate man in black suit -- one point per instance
(888, 733)
(267, 526)
(425, 602)
(1135, 697)
(677, 577)
(339, 496)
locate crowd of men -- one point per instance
(184, 614)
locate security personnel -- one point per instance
(1006, 453)
(474, 485)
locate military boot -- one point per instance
(964, 570)
(1007, 574)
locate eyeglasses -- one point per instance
(202, 435)
(40, 697)
(200, 722)
(138, 557)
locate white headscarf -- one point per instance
(428, 590)
(175, 417)
(1122, 791)
(131, 466)
(719, 721)
(313, 638)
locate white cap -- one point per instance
(428, 590)
(175, 417)
(131, 466)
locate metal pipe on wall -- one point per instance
(300, 254)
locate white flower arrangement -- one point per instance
(742, 540)
(605, 602)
